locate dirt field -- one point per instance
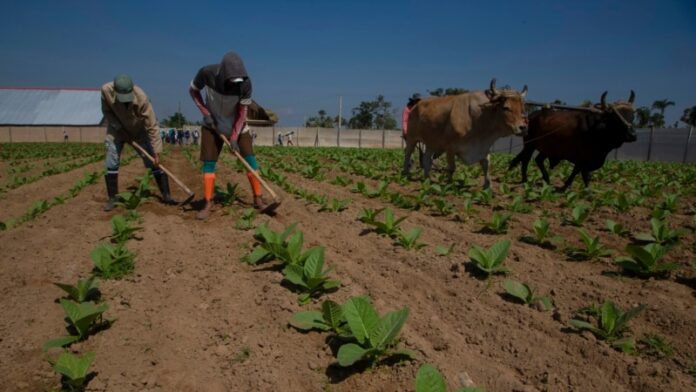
(194, 318)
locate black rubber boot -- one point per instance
(111, 190)
(163, 185)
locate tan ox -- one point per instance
(465, 126)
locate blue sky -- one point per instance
(301, 55)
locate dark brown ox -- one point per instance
(465, 126)
(582, 137)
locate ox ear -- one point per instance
(632, 97)
(523, 93)
(603, 101)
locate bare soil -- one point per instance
(194, 318)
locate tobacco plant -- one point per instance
(660, 233)
(578, 216)
(617, 228)
(644, 261)
(83, 290)
(490, 261)
(273, 245)
(112, 262)
(524, 293)
(336, 205)
(121, 229)
(376, 337)
(498, 223)
(329, 318)
(74, 370)
(409, 240)
(429, 379)
(246, 221)
(226, 197)
(592, 248)
(390, 226)
(132, 199)
(444, 250)
(82, 318)
(310, 276)
(612, 323)
(368, 215)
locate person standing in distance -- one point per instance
(130, 117)
(228, 95)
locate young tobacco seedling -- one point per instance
(336, 205)
(593, 249)
(84, 290)
(121, 230)
(375, 336)
(655, 346)
(517, 205)
(82, 318)
(644, 261)
(330, 318)
(617, 228)
(310, 277)
(74, 370)
(410, 240)
(246, 221)
(660, 233)
(225, 197)
(490, 261)
(578, 216)
(390, 226)
(131, 200)
(524, 293)
(498, 223)
(429, 379)
(442, 207)
(444, 250)
(274, 245)
(112, 262)
(368, 215)
(484, 197)
(612, 322)
(342, 181)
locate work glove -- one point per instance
(234, 144)
(208, 121)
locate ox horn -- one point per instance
(632, 97)
(603, 100)
(494, 91)
(523, 93)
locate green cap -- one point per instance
(123, 85)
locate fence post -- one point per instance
(338, 137)
(316, 138)
(650, 143)
(383, 135)
(10, 134)
(686, 147)
(359, 138)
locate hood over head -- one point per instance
(231, 67)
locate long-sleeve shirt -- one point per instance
(128, 120)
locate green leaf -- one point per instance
(499, 251)
(73, 367)
(518, 290)
(361, 317)
(313, 266)
(257, 255)
(332, 314)
(579, 324)
(350, 353)
(608, 316)
(309, 320)
(60, 342)
(429, 379)
(295, 274)
(388, 329)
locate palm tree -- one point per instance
(661, 105)
(642, 117)
(689, 116)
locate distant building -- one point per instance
(30, 114)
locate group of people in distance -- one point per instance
(130, 118)
(179, 136)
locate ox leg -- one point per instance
(427, 163)
(407, 159)
(450, 166)
(540, 158)
(485, 163)
(522, 159)
(570, 179)
(586, 177)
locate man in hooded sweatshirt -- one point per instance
(130, 117)
(228, 96)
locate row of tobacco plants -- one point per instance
(83, 304)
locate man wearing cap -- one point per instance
(228, 95)
(130, 117)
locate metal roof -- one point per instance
(38, 106)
